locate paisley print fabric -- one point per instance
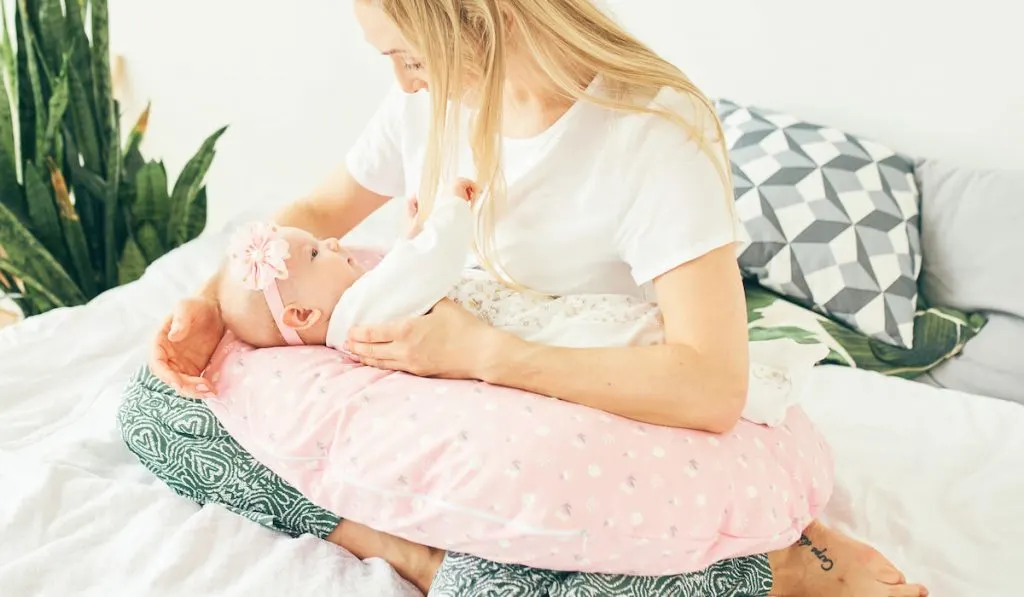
(461, 575)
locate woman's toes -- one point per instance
(889, 575)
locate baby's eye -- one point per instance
(413, 66)
(314, 254)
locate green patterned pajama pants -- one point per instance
(184, 445)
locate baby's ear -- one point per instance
(298, 317)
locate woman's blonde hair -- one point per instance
(464, 45)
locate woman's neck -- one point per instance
(532, 101)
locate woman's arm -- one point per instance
(334, 207)
(697, 380)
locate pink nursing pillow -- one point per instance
(515, 477)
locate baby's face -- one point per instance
(319, 271)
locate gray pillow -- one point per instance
(830, 219)
(972, 237)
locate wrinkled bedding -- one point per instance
(933, 478)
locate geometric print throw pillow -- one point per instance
(829, 220)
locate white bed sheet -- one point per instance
(79, 516)
(933, 478)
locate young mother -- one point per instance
(604, 171)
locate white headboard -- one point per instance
(932, 78)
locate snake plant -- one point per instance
(80, 210)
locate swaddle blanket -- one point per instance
(778, 367)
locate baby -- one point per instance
(287, 287)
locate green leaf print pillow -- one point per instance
(939, 334)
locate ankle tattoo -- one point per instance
(822, 555)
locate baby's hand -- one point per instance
(412, 208)
(465, 189)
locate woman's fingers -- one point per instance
(181, 323)
(196, 387)
(380, 364)
(373, 350)
(160, 357)
(380, 333)
(160, 366)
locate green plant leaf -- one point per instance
(52, 32)
(11, 193)
(133, 160)
(74, 235)
(30, 108)
(151, 199)
(21, 251)
(940, 333)
(148, 239)
(976, 322)
(187, 187)
(58, 105)
(7, 63)
(796, 334)
(82, 122)
(43, 213)
(106, 111)
(116, 233)
(89, 189)
(26, 49)
(195, 219)
(77, 42)
(32, 284)
(132, 263)
(757, 299)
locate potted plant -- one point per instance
(80, 211)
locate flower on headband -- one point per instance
(258, 255)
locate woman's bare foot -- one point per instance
(415, 563)
(421, 564)
(826, 563)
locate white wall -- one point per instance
(934, 78)
(296, 81)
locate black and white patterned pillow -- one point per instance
(830, 220)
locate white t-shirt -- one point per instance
(601, 202)
(429, 267)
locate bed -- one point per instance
(931, 477)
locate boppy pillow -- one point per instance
(515, 477)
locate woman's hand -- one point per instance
(184, 345)
(448, 342)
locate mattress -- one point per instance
(933, 478)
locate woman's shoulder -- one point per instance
(666, 118)
(666, 129)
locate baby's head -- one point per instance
(282, 285)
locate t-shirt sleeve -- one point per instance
(375, 161)
(681, 209)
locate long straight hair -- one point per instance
(464, 45)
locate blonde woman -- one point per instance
(604, 171)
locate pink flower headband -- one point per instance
(257, 257)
